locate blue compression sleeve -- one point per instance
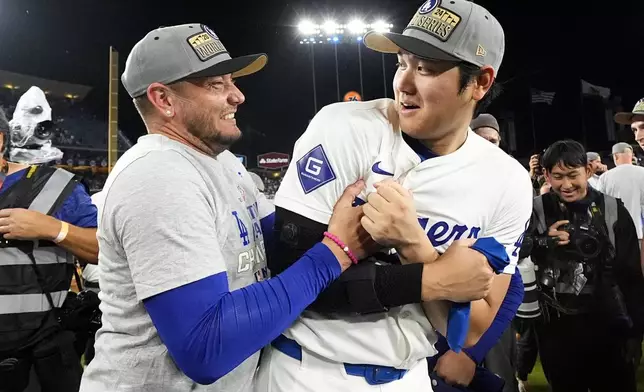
(458, 320)
(209, 330)
(501, 321)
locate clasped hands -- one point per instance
(389, 219)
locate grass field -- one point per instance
(537, 381)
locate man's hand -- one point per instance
(461, 274)
(390, 217)
(345, 224)
(534, 165)
(563, 238)
(456, 369)
(22, 224)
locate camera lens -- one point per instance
(589, 247)
(44, 130)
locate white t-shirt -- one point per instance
(477, 191)
(626, 182)
(594, 181)
(171, 216)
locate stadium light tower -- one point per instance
(382, 27)
(332, 32)
(357, 28)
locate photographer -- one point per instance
(590, 286)
(46, 218)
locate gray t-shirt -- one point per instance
(171, 216)
(626, 182)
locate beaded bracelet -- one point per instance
(342, 246)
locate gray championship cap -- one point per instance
(485, 120)
(170, 54)
(454, 30)
(626, 118)
(621, 147)
(591, 156)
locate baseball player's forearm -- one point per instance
(364, 288)
(502, 319)
(423, 252)
(210, 330)
(485, 310)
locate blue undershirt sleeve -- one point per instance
(210, 330)
(502, 320)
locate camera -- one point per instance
(585, 242)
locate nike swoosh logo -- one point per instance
(376, 169)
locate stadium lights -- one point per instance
(357, 27)
(382, 26)
(350, 32)
(307, 27)
(330, 27)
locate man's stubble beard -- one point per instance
(199, 125)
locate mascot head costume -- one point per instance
(31, 131)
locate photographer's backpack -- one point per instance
(35, 276)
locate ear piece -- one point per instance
(168, 113)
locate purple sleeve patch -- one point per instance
(314, 170)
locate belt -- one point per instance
(373, 374)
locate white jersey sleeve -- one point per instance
(512, 215)
(328, 157)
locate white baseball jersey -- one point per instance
(626, 182)
(171, 216)
(477, 191)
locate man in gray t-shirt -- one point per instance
(184, 291)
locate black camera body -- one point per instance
(586, 242)
(586, 245)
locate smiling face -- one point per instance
(207, 109)
(570, 183)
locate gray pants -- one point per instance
(501, 360)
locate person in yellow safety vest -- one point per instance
(46, 218)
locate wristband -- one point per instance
(64, 229)
(342, 246)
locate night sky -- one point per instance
(549, 46)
